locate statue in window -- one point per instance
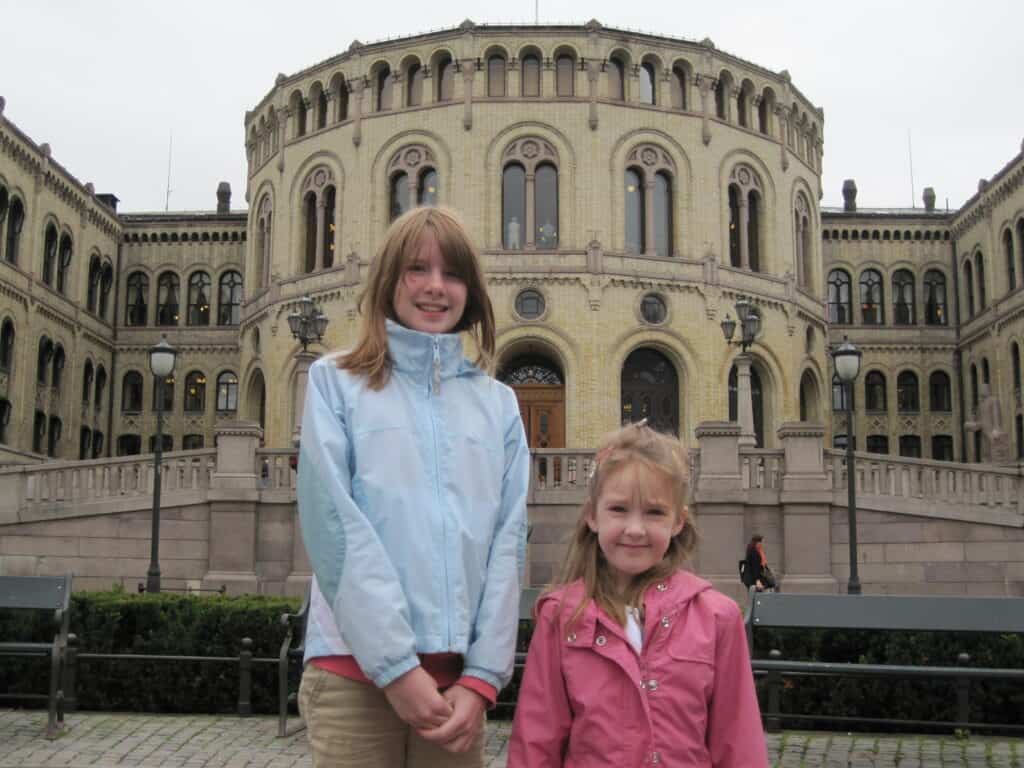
(512, 238)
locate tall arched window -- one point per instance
(634, 212)
(12, 237)
(5, 204)
(616, 79)
(413, 179)
(975, 393)
(229, 305)
(907, 393)
(872, 308)
(93, 286)
(874, 391)
(101, 387)
(757, 401)
(649, 389)
(979, 273)
(64, 252)
(677, 88)
(428, 188)
(383, 88)
(840, 395)
(227, 392)
(1011, 262)
(804, 256)
(84, 443)
(43, 359)
(496, 69)
(163, 394)
(934, 298)
(969, 287)
(662, 199)
(318, 196)
(720, 97)
(199, 299)
(340, 91)
(745, 202)
(5, 418)
(53, 437)
(1020, 245)
(399, 194)
(87, 375)
(39, 432)
(264, 215)
(195, 392)
(414, 85)
(565, 75)
(49, 254)
(131, 392)
(743, 102)
(59, 361)
(106, 284)
(1015, 362)
(903, 309)
(7, 347)
(299, 109)
(167, 291)
(530, 75)
(137, 293)
(648, 95)
(444, 75)
(530, 195)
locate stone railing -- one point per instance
(976, 492)
(278, 479)
(762, 468)
(559, 475)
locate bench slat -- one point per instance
(39, 592)
(895, 612)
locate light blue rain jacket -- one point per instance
(412, 502)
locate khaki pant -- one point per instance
(352, 725)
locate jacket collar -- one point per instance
(413, 352)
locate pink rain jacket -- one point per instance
(588, 700)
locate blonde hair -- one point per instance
(402, 243)
(636, 443)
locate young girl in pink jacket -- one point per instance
(635, 661)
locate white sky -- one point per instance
(106, 82)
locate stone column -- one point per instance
(648, 225)
(358, 88)
(468, 73)
(303, 361)
(805, 564)
(745, 401)
(744, 226)
(593, 73)
(513, 79)
(719, 503)
(704, 84)
(531, 224)
(233, 497)
(321, 217)
(783, 125)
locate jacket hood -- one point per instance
(412, 352)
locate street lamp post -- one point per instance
(308, 323)
(846, 359)
(161, 363)
(750, 325)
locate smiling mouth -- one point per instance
(432, 309)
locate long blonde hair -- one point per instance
(586, 562)
(402, 242)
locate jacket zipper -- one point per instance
(435, 391)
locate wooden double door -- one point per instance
(542, 407)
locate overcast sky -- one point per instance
(106, 83)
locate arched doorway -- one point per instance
(810, 408)
(650, 389)
(256, 399)
(540, 389)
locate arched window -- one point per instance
(167, 289)
(64, 252)
(907, 395)
(84, 443)
(979, 272)
(59, 360)
(934, 298)
(53, 437)
(49, 254)
(565, 75)
(650, 389)
(903, 309)
(616, 79)
(87, 374)
(414, 85)
(106, 284)
(1020, 244)
(496, 68)
(229, 306)
(530, 74)
(195, 392)
(5, 204)
(264, 239)
(414, 179)
(677, 88)
(1018, 429)
(7, 347)
(942, 447)
(635, 218)
(647, 83)
(809, 407)
(166, 443)
(101, 386)
(199, 299)
(43, 359)
(975, 394)
(39, 432)
(15, 222)
(129, 445)
(1015, 362)
(428, 187)
(383, 88)
(530, 195)
(969, 287)
(399, 194)
(227, 392)
(804, 256)
(319, 198)
(191, 442)
(745, 198)
(93, 287)
(874, 391)
(5, 418)
(720, 100)
(135, 310)
(340, 91)
(985, 371)
(321, 108)
(662, 199)
(743, 102)
(163, 394)
(445, 77)
(131, 392)
(877, 444)
(872, 309)
(910, 446)
(1011, 263)
(757, 401)
(840, 310)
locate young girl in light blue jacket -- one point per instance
(412, 500)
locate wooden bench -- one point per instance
(996, 615)
(294, 646)
(41, 593)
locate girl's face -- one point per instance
(635, 519)
(429, 297)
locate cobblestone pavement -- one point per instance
(106, 740)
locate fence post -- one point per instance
(70, 667)
(963, 686)
(773, 723)
(245, 678)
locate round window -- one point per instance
(530, 304)
(653, 309)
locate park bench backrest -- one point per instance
(39, 592)
(895, 612)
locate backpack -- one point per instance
(745, 575)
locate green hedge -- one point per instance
(893, 698)
(164, 624)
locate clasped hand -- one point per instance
(451, 720)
